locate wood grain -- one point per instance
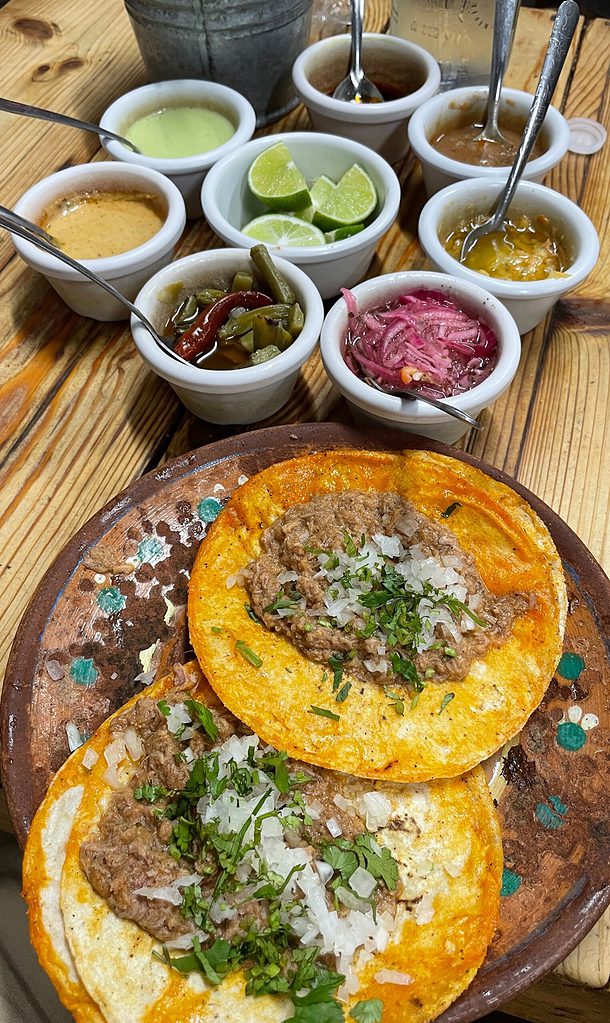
(80, 417)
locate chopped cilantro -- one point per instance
(343, 692)
(248, 654)
(350, 547)
(335, 661)
(164, 707)
(282, 602)
(204, 716)
(399, 703)
(217, 630)
(369, 1011)
(450, 510)
(150, 793)
(252, 614)
(446, 699)
(323, 712)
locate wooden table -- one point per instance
(80, 417)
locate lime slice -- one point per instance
(352, 201)
(275, 179)
(343, 232)
(280, 229)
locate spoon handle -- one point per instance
(505, 22)
(564, 27)
(18, 225)
(450, 410)
(12, 107)
(356, 52)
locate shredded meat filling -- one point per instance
(292, 545)
(129, 849)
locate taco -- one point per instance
(394, 616)
(207, 876)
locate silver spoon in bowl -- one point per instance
(356, 87)
(411, 395)
(563, 30)
(18, 225)
(505, 22)
(12, 107)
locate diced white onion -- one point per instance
(164, 893)
(75, 739)
(362, 883)
(134, 744)
(392, 977)
(115, 751)
(90, 758)
(324, 870)
(287, 577)
(342, 802)
(424, 910)
(177, 717)
(375, 808)
(334, 827)
(188, 879)
(111, 777)
(185, 941)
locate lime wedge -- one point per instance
(319, 191)
(275, 179)
(343, 232)
(281, 229)
(352, 201)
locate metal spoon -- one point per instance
(407, 392)
(27, 110)
(356, 87)
(505, 22)
(24, 229)
(559, 45)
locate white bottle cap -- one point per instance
(586, 136)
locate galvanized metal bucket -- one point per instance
(246, 44)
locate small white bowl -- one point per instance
(527, 301)
(127, 271)
(370, 405)
(387, 60)
(447, 109)
(186, 172)
(228, 204)
(226, 396)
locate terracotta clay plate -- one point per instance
(112, 606)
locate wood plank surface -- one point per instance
(80, 417)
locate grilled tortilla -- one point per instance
(443, 838)
(389, 716)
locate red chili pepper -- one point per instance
(202, 332)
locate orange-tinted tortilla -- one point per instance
(513, 551)
(444, 836)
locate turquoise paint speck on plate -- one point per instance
(570, 666)
(209, 509)
(111, 600)
(150, 550)
(83, 671)
(549, 816)
(570, 736)
(511, 882)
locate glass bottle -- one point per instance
(457, 32)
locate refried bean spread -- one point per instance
(366, 581)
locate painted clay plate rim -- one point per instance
(498, 980)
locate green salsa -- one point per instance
(179, 131)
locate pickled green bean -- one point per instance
(242, 281)
(278, 286)
(239, 324)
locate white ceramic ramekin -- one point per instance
(447, 109)
(236, 396)
(127, 271)
(369, 405)
(228, 204)
(388, 60)
(528, 301)
(186, 172)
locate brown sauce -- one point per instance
(459, 143)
